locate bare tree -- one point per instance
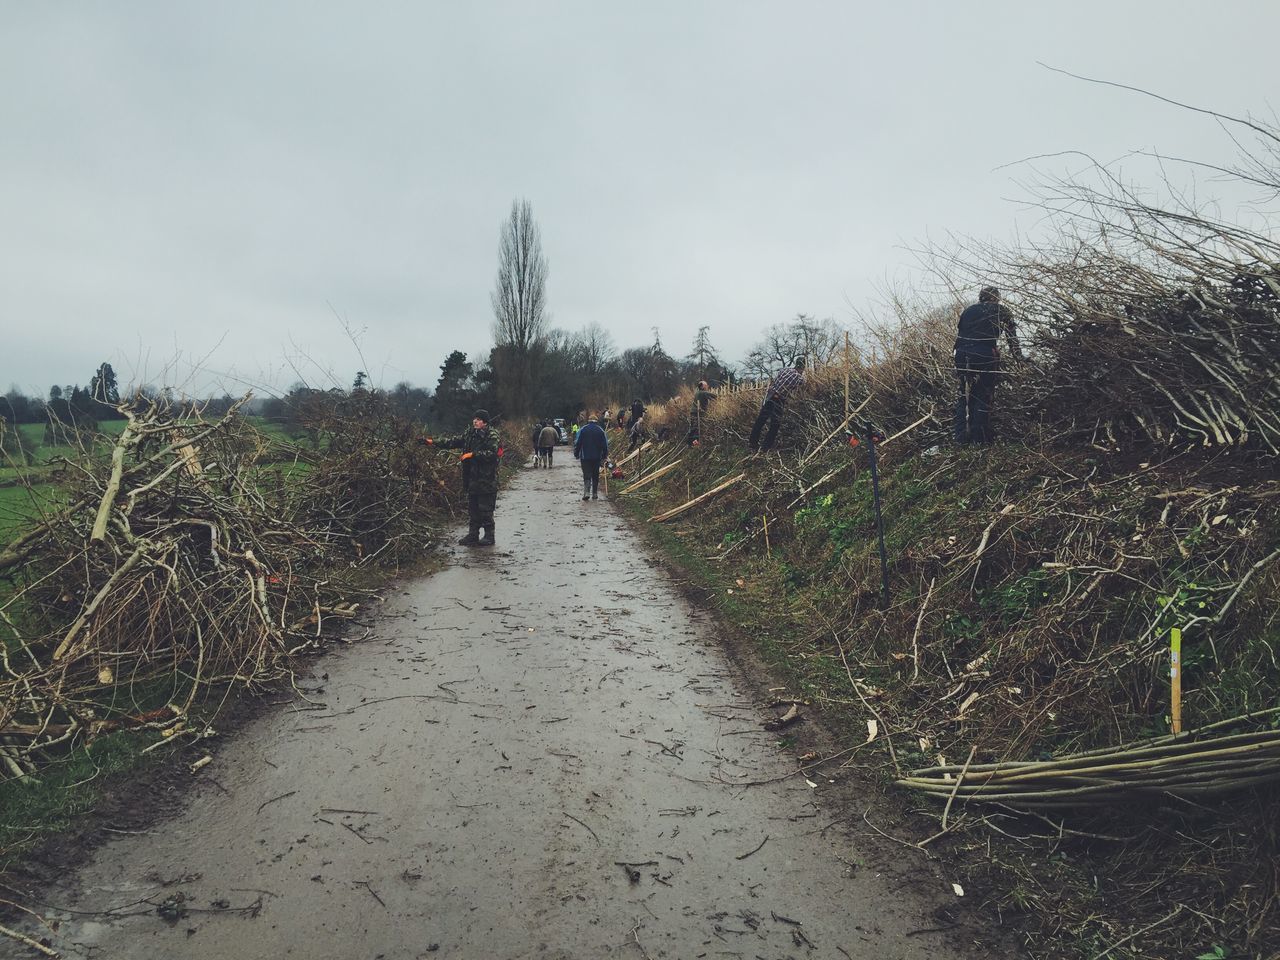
(519, 306)
(597, 348)
(818, 340)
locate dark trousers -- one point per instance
(591, 476)
(977, 375)
(770, 413)
(480, 507)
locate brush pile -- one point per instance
(375, 490)
(183, 561)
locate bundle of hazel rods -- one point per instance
(1185, 766)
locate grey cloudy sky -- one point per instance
(220, 182)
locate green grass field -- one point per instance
(18, 504)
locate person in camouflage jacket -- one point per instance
(481, 449)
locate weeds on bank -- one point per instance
(1055, 625)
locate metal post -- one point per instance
(875, 496)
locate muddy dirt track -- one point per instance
(539, 752)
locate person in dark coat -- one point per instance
(781, 387)
(591, 447)
(537, 433)
(480, 453)
(977, 358)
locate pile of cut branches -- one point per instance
(174, 565)
(373, 489)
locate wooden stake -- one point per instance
(1175, 678)
(846, 375)
(768, 552)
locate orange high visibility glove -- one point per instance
(468, 455)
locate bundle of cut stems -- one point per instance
(1188, 766)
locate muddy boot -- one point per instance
(586, 489)
(471, 539)
(487, 540)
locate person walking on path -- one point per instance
(548, 437)
(781, 388)
(479, 446)
(702, 396)
(977, 357)
(591, 447)
(533, 439)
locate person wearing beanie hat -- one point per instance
(481, 450)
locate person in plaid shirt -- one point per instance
(781, 387)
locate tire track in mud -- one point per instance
(534, 755)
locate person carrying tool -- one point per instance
(977, 358)
(702, 396)
(548, 437)
(591, 446)
(480, 448)
(781, 388)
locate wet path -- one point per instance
(516, 727)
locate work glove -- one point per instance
(468, 455)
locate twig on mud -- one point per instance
(635, 938)
(756, 849)
(348, 826)
(372, 892)
(585, 827)
(267, 803)
(912, 846)
(36, 945)
(1137, 933)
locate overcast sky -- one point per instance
(227, 183)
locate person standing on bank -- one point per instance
(548, 437)
(977, 356)
(702, 396)
(591, 447)
(781, 388)
(480, 451)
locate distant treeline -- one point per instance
(569, 372)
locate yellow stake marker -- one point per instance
(1175, 678)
